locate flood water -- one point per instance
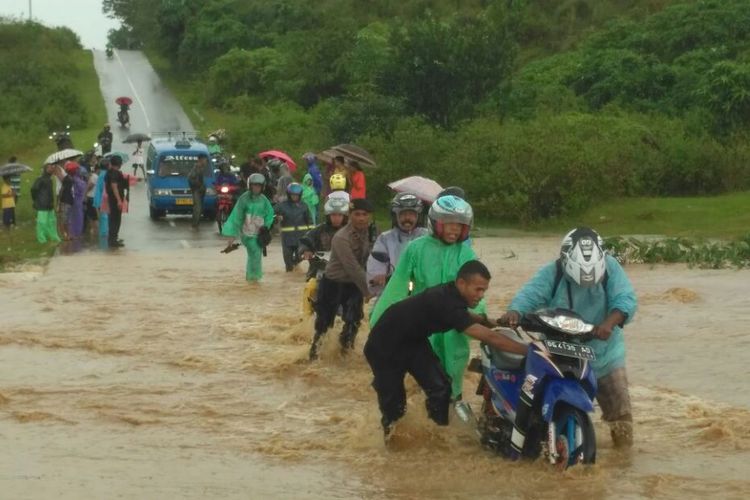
(162, 374)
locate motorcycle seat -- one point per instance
(506, 360)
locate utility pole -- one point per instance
(29, 10)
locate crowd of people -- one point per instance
(428, 288)
(73, 199)
(427, 283)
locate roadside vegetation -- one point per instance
(548, 113)
(47, 81)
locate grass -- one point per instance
(20, 245)
(724, 217)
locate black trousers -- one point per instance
(290, 255)
(115, 219)
(388, 381)
(332, 295)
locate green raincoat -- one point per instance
(427, 261)
(250, 213)
(310, 197)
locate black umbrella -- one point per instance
(354, 152)
(14, 169)
(136, 137)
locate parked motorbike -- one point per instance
(62, 139)
(226, 197)
(564, 389)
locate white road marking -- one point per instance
(135, 93)
(171, 223)
(184, 244)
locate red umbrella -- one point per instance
(124, 100)
(424, 188)
(280, 155)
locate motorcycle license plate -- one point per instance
(570, 350)
(183, 201)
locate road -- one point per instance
(154, 110)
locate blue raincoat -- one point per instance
(593, 304)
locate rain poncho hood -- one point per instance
(427, 261)
(593, 304)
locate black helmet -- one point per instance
(453, 190)
(406, 201)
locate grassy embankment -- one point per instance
(724, 216)
(20, 245)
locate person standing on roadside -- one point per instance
(198, 187)
(356, 180)
(43, 198)
(105, 139)
(8, 203)
(115, 185)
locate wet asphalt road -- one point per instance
(154, 110)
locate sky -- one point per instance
(85, 17)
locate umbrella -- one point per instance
(354, 152)
(122, 156)
(280, 155)
(14, 169)
(424, 188)
(328, 155)
(136, 137)
(124, 100)
(65, 154)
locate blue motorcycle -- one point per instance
(563, 386)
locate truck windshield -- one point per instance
(170, 165)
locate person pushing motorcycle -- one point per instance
(398, 343)
(586, 280)
(432, 260)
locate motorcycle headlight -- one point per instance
(224, 189)
(567, 324)
(161, 192)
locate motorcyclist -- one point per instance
(295, 221)
(225, 176)
(123, 116)
(405, 211)
(250, 215)
(109, 51)
(432, 260)
(344, 283)
(593, 284)
(319, 238)
(105, 139)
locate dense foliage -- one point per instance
(703, 254)
(539, 108)
(36, 83)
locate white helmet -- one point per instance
(336, 206)
(448, 209)
(582, 256)
(341, 195)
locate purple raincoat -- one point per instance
(75, 219)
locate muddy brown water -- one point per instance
(162, 374)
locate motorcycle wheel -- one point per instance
(221, 218)
(570, 425)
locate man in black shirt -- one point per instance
(115, 185)
(398, 344)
